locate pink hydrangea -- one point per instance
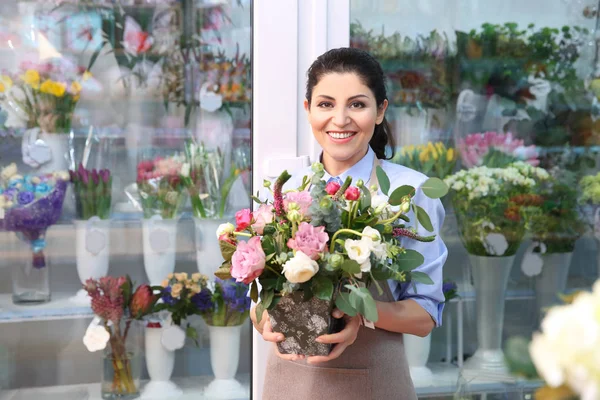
(310, 240)
(262, 217)
(248, 261)
(303, 199)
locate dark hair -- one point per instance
(347, 59)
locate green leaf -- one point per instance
(365, 201)
(399, 193)
(351, 267)
(227, 250)
(369, 307)
(421, 278)
(254, 291)
(384, 181)
(322, 287)
(266, 297)
(260, 309)
(381, 274)
(191, 332)
(409, 260)
(434, 188)
(343, 303)
(424, 219)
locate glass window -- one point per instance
(499, 99)
(125, 133)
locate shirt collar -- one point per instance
(360, 170)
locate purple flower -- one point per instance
(95, 177)
(84, 177)
(10, 193)
(24, 198)
(448, 286)
(234, 294)
(105, 175)
(203, 300)
(167, 298)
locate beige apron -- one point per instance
(373, 368)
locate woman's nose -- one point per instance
(341, 118)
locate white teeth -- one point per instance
(336, 135)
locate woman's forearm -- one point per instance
(405, 316)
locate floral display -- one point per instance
(228, 77)
(328, 242)
(116, 305)
(160, 186)
(432, 159)
(487, 205)
(495, 150)
(590, 189)
(93, 192)
(29, 205)
(43, 94)
(450, 290)
(224, 303)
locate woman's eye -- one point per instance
(357, 104)
(324, 104)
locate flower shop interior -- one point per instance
(133, 131)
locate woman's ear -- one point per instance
(381, 111)
(306, 106)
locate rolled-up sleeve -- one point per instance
(430, 297)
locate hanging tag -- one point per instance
(496, 244)
(95, 239)
(532, 262)
(210, 101)
(173, 338)
(465, 109)
(96, 336)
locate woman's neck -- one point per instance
(336, 167)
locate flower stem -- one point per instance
(332, 245)
(395, 217)
(242, 234)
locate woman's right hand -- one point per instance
(264, 328)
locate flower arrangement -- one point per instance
(93, 192)
(228, 77)
(495, 150)
(160, 185)
(486, 202)
(208, 183)
(43, 95)
(432, 159)
(30, 204)
(116, 305)
(589, 186)
(564, 353)
(328, 243)
(225, 304)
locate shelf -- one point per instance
(60, 307)
(193, 389)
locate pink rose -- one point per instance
(303, 199)
(227, 238)
(248, 261)
(352, 193)
(243, 218)
(310, 240)
(262, 217)
(332, 188)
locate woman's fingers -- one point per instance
(337, 351)
(276, 337)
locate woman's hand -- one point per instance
(342, 339)
(264, 328)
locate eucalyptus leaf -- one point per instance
(434, 188)
(421, 278)
(384, 181)
(322, 287)
(266, 297)
(409, 260)
(397, 195)
(351, 267)
(342, 302)
(227, 250)
(424, 218)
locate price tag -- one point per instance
(496, 243)
(173, 338)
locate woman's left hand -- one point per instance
(342, 339)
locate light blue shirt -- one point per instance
(430, 297)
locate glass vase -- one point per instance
(31, 279)
(123, 362)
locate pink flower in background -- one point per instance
(310, 240)
(136, 41)
(243, 218)
(352, 193)
(303, 199)
(332, 188)
(248, 261)
(262, 217)
(475, 146)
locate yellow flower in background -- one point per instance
(165, 283)
(57, 89)
(182, 276)
(176, 290)
(2, 88)
(32, 78)
(75, 88)
(86, 75)
(450, 155)
(196, 277)
(431, 148)
(196, 289)
(5, 83)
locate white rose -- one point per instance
(225, 228)
(300, 268)
(185, 170)
(95, 338)
(358, 250)
(8, 171)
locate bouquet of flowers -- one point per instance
(208, 183)
(495, 150)
(432, 159)
(324, 247)
(43, 95)
(564, 353)
(160, 186)
(487, 203)
(116, 305)
(225, 304)
(93, 192)
(29, 205)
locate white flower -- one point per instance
(373, 240)
(96, 337)
(8, 171)
(358, 250)
(185, 170)
(62, 175)
(300, 268)
(366, 266)
(225, 229)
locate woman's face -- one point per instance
(343, 113)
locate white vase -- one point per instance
(208, 254)
(417, 353)
(92, 248)
(159, 363)
(552, 280)
(159, 236)
(412, 126)
(48, 152)
(224, 359)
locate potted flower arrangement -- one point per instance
(28, 206)
(118, 308)
(486, 203)
(432, 159)
(162, 194)
(93, 195)
(313, 250)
